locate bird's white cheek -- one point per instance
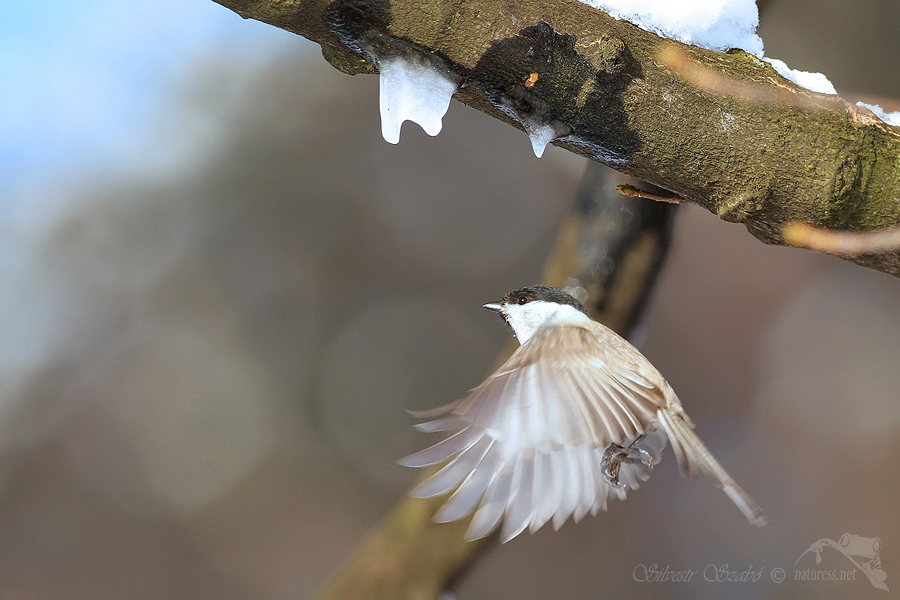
(524, 324)
(528, 318)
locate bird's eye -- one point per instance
(521, 300)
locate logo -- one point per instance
(863, 552)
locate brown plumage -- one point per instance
(575, 417)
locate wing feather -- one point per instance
(520, 508)
(602, 489)
(466, 498)
(544, 492)
(458, 469)
(566, 490)
(443, 450)
(435, 412)
(609, 408)
(451, 423)
(492, 507)
(586, 483)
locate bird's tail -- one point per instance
(694, 457)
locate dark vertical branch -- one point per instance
(611, 247)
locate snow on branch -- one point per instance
(724, 130)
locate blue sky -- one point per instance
(91, 93)
(79, 80)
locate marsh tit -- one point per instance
(577, 416)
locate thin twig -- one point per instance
(779, 91)
(633, 192)
(841, 243)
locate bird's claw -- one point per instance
(615, 455)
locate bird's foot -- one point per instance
(615, 455)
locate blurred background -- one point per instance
(219, 289)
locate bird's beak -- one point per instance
(494, 306)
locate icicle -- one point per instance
(541, 134)
(411, 90)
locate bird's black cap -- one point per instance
(534, 293)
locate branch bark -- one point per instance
(762, 152)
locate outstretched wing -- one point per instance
(527, 445)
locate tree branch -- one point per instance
(778, 154)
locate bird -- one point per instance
(576, 417)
